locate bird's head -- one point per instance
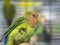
(32, 17)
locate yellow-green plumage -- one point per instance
(21, 30)
(13, 36)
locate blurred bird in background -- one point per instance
(8, 11)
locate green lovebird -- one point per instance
(22, 29)
(8, 11)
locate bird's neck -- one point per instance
(31, 23)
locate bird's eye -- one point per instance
(33, 15)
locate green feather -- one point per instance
(39, 29)
(13, 26)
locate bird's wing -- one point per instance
(12, 27)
